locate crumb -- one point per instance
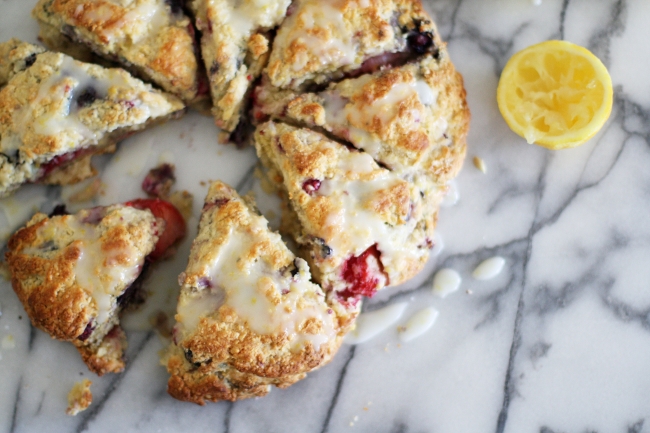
(401, 328)
(386, 348)
(159, 181)
(79, 397)
(480, 164)
(202, 183)
(95, 188)
(468, 291)
(183, 201)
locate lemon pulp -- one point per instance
(556, 94)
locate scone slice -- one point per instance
(413, 117)
(361, 226)
(321, 41)
(151, 38)
(248, 316)
(55, 112)
(235, 44)
(74, 273)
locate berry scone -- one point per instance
(248, 316)
(321, 41)
(56, 112)
(74, 273)
(412, 117)
(151, 38)
(235, 43)
(360, 226)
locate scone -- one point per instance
(74, 273)
(235, 44)
(409, 118)
(248, 316)
(152, 39)
(56, 112)
(360, 226)
(321, 41)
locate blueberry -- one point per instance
(58, 210)
(29, 60)
(86, 97)
(325, 250)
(176, 6)
(420, 42)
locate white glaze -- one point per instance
(452, 196)
(369, 325)
(98, 272)
(418, 324)
(446, 281)
(250, 292)
(489, 268)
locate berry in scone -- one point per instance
(151, 38)
(248, 316)
(56, 112)
(235, 44)
(321, 41)
(360, 226)
(75, 273)
(412, 117)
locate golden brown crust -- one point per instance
(49, 110)
(60, 269)
(235, 48)
(226, 348)
(412, 117)
(324, 40)
(145, 36)
(345, 203)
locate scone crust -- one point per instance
(144, 35)
(322, 40)
(235, 45)
(401, 212)
(223, 355)
(42, 117)
(390, 114)
(43, 258)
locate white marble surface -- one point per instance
(558, 342)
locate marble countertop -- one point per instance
(559, 341)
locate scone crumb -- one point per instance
(480, 164)
(79, 397)
(160, 323)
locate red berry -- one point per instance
(310, 186)
(174, 222)
(363, 275)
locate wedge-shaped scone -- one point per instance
(74, 273)
(151, 38)
(56, 112)
(361, 226)
(412, 117)
(248, 316)
(235, 44)
(321, 41)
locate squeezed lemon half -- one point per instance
(555, 94)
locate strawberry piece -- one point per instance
(363, 274)
(174, 223)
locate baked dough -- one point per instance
(248, 315)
